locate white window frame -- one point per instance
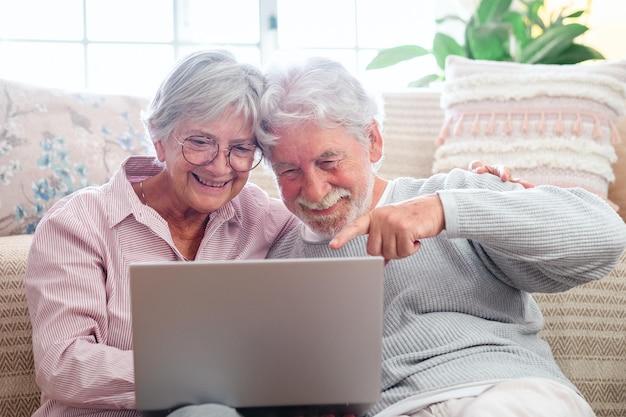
(267, 45)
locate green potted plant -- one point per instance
(501, 30)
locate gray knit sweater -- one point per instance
(459, 310)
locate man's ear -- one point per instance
(376, 142)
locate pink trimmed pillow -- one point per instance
(617, 189)
(552, 124)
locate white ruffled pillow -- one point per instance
(552, 124)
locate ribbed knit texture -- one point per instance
(459, 310)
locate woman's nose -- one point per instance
(221, 161)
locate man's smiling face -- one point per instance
(324, 175)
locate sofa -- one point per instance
(53, 142)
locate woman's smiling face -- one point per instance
(206, 188)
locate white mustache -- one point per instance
(329, 200)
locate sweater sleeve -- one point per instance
(543, 239)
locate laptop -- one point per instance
(271, 338)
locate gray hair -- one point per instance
(316, 89)
(199, 88)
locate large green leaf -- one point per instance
(444, 45)
(391, 56)
(491, 10)
(553, 41)
(532, 12)
(561, 16)
(574, 15)
(574, 54)
(518, 25)
(466, 35)
(490, 42)
(450, 18)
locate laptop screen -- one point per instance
(280, 334)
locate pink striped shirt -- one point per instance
(77, 283)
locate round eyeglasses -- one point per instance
(201, 150)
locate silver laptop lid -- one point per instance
(267, 333)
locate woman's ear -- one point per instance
(160, 150)
(376, 142)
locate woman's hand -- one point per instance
(499, 170)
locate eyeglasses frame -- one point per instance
(229, 149)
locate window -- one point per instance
(127, 46)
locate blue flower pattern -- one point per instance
(62, 175)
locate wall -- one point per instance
(605, 19)
(607, 28)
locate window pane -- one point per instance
(129, 69)
(130, 21)
(58, 19)
(320, 23)
(347, 57)
(351, 31)
(59, 65)
(250, 54)
(395, 22)
(397, 76)
(219, 21)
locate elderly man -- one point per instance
(464, 251)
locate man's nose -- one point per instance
(315, 186)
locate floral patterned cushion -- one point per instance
(53, 142)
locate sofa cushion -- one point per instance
(412, 121)
(552, 124)
(586, 329)
(617, 189)
(19, 394)
(53, 142)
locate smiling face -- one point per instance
(325, 176)
(204, 189)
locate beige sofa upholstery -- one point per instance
(586, 327)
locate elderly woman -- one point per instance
(191, 202)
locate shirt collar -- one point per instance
(122, 200)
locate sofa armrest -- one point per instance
(19, 394)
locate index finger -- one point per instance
(360, 226)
